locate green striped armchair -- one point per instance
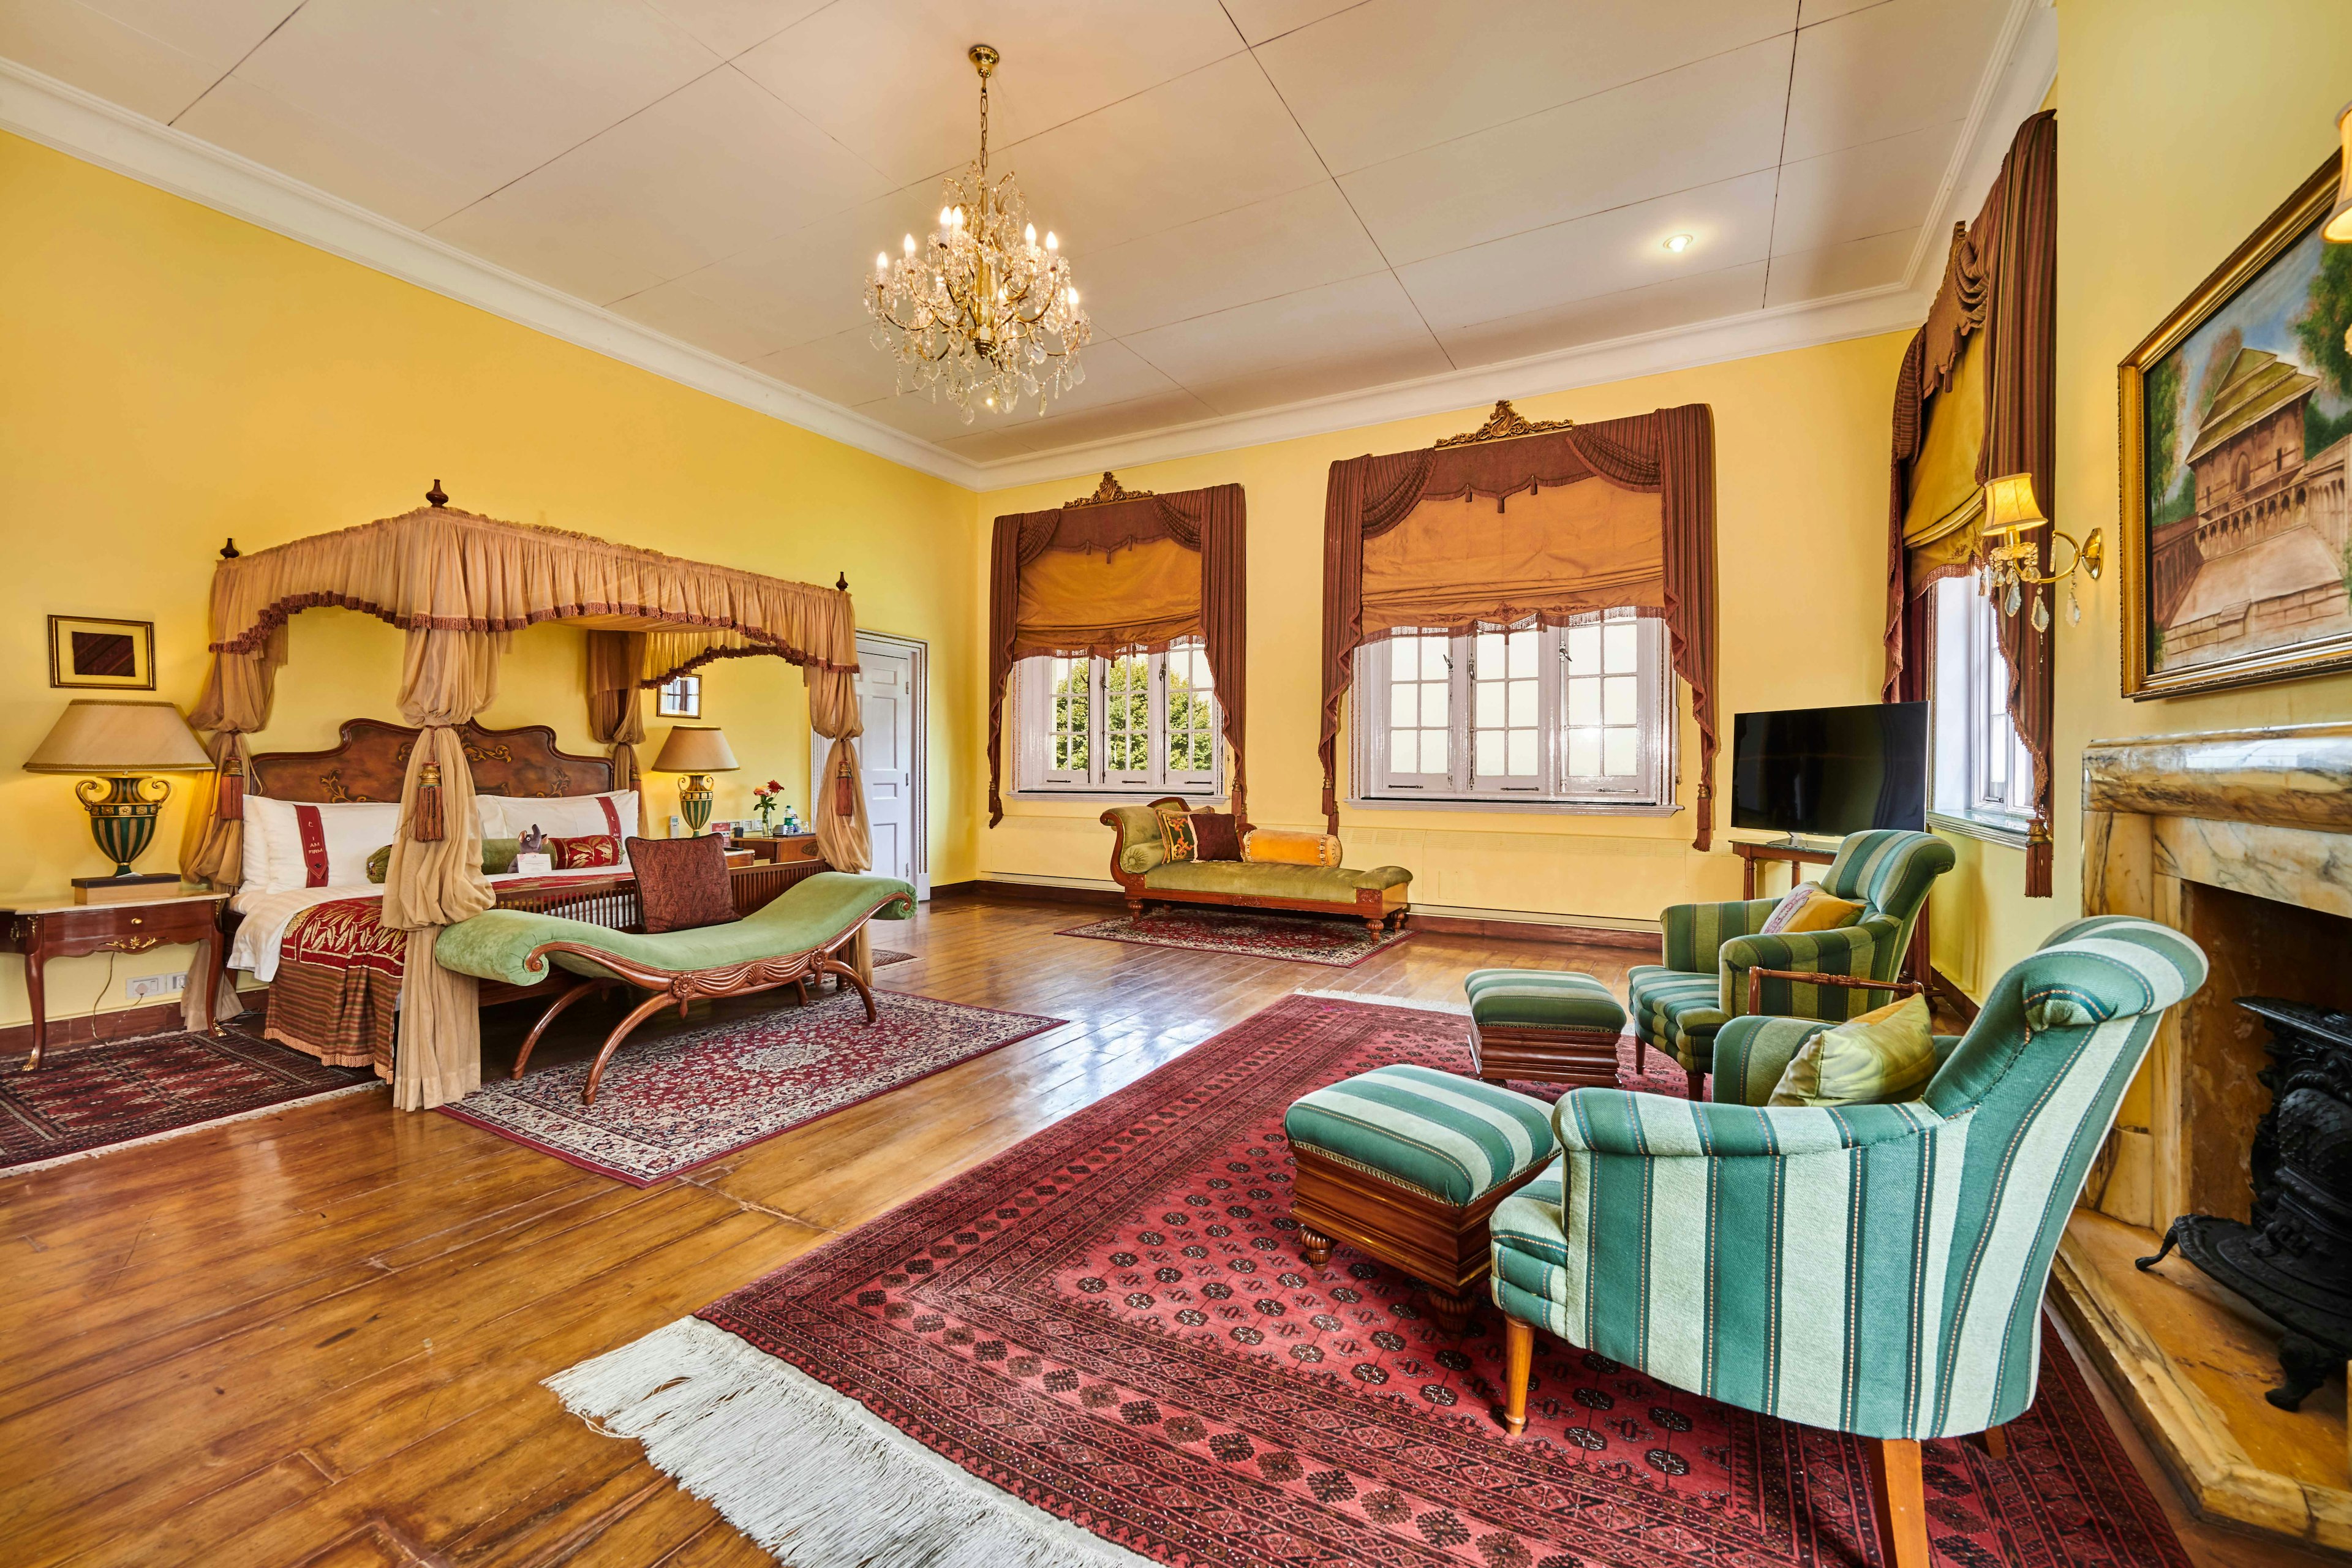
(1678, 1005)
(1876, 1269)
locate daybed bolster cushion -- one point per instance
(810, 914)
(1327, 884)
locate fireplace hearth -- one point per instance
(2294, 1258)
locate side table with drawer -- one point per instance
(42, 930)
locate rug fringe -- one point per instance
(1459, 1009)
(808, 1473)
(168, 1133)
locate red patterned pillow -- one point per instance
(585, 854)
(682, 883)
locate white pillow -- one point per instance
(567, 816)
(254, 876)
(350, 832)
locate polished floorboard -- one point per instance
(317, 1338)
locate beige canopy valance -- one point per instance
(460, 586)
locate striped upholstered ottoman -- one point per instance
(1546, 1026)
(1405, 1164)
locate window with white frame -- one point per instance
(1574, 715)
(1983, 771)
(1140, 722)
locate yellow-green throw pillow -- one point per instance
(1808, 908)
(498, 858)
(1882, 1057)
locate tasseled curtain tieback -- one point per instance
(424, 827)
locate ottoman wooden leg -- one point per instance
(1314, 1246)
(1519, 1357)
(1452, 1311)
(1641, 1055)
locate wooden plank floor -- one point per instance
(316, 1338)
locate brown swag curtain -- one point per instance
(459, 584)
(1395, 555)
(1098, 578)
(1981, 375)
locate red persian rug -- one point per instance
(1302, 939)
(669, 1103)
(1102, 1347)
(86, 1098)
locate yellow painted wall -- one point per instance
(174, 376)
(1800, 464)
(2180, 127)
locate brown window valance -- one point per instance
(1976, 398)
(1123, 572)
(1547, 525)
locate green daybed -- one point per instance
(1379, 896)
(796, 938)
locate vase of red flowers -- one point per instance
(764, 800)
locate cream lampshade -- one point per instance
(696, 751)
(123, 742)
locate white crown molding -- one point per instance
(56, 114)
(1771, 331)
(2017, 77)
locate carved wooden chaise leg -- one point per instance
(620, 1031)
(829, 965)
(579, 990)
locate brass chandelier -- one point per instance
(983, 312)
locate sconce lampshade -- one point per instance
(97, 736)
(2339, 222)
(2010, 505)
(696, 749)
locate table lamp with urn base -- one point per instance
(124, 744)
(696, 751)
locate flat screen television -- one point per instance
(1830, 771)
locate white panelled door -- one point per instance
(890, 696)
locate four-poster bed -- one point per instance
(459, 585)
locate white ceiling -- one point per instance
(1265, 201)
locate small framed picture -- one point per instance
(680, 697)
(110, 656)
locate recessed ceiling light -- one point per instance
(1678, 243)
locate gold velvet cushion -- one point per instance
(1808, 908)
(1273, 847)
(682, 883)
(1885, 1056)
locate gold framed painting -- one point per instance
(2237, 426)
(106, 656)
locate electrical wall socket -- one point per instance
(140, 987)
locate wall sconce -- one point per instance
(2011, 514)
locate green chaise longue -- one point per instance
(797, 938)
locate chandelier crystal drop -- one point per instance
(985, 312)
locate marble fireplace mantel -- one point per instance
(2266, 814)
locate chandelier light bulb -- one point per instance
(988, 319)
(882, 261)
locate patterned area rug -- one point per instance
(883, 956)
(671, 1104)
(1302, 939)
(86, 1098)
(1111, 1323)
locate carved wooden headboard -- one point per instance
(373, 758)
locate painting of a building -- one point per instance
(2261, 561)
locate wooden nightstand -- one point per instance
(46, 929)
(782, 849)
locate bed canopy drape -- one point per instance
(459, 585)
(1120, 572)
(1585, 518)
(1977, 398)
